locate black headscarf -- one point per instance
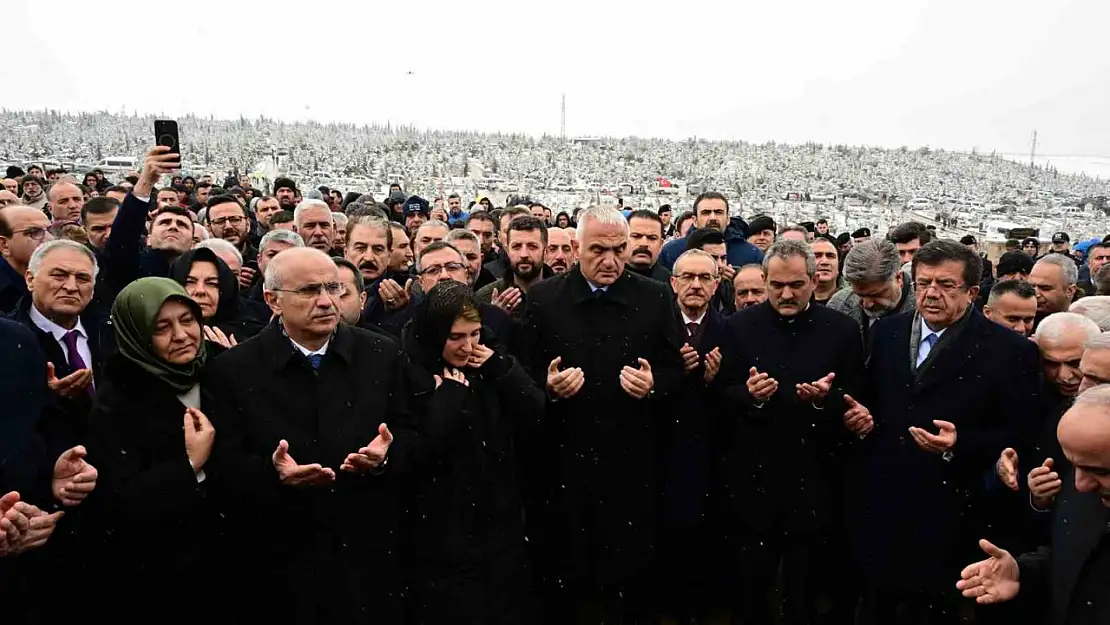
(427, 331)
(229, 317)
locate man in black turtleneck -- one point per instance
(789, 368)
(645, 239)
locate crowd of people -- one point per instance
(233, 404)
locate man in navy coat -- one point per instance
(948, 390)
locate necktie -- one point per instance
(691, 329)
(926, 347)
(315, 360)
(76, 362)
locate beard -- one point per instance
(532, 273)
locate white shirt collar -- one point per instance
(55, 330)
(307, 352)
(688, 320)
(926, 331)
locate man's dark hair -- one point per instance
(936, 252)
(481, 215)
(904, 233)
(528, 224)
(666, 208)
(701, 237)
(98, 206)
(710, 195)
(644, 213)
(512, 211)
(360, 282)
(682, 219)
(454, 196)
(281, 217)
(1100, 244)
(202, 185)
(56, 171)
(134, 180)
(116, 189)
(1021, 288)
(400, 226)
(222, 199)
(822, 221)
(359, 209)
(440, 245)
(173, 208)
(284, 183)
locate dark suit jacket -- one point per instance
(314, 543)
(600, 447)
(1080, 522)
(915, 516)
(126, 257)
(13, 287)
(66, 423)
(24, 464)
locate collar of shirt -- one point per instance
(55, 330)
(595, 288)
(926, 331)
(688, 320)
(307, 352)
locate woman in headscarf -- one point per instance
(467, 549)
(210, 282)
(154, 450)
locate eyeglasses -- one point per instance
(704, 278)
(34, 232)
(945, 286)
(220, 221)
(314, 290)
(435, 270)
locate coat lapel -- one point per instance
(950, 357)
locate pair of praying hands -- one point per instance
(691, 359)
(368, 459)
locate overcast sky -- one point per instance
(945, 73)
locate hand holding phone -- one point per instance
(165, 133)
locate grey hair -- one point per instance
(1102, 341)
(1066, 265)
(41, 251)
(1102, 280)
(203, 230)
(280, 236)
(434, 223)
(604, 215)
(307, 204)
(791, 249)
(1053, 327)
(1096, 308)
(871, 262)
(461, 234)
(339, 219)
(696, 253)
(794, 228)
(218, 246)
(374, 223)
(1094, 396)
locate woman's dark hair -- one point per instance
(560, 215)
(453, 300)
(427, 332)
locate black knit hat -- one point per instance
(759, 223)
(284, 183)
(1014, 262)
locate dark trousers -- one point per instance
(791, 579)
(624, 604)
(888, 606)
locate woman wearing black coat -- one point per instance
(153, 447)
(210, 282)
(465, 541)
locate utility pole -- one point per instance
(563, 120)
(1033, 151)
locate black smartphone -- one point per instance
(165, 133)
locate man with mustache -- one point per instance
(785, 457)
(878, 286)
(750, 286)
(1072, 571)
(561, 254)
(945, 410)
(526, 242)
(711, 211)
(645, 240)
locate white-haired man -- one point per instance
(604, 342)
(314, 222)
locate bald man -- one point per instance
(22, 230)
(66, 202)
(1073, 571)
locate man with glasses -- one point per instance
(946, 410)
(22, 230)
(227, 219)
(321, 418)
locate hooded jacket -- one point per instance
(739, 251)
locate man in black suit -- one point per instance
(322, 529)
(1074, 571)
(790, 370)
(943, 410)
(690, 562)
(605, 344)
